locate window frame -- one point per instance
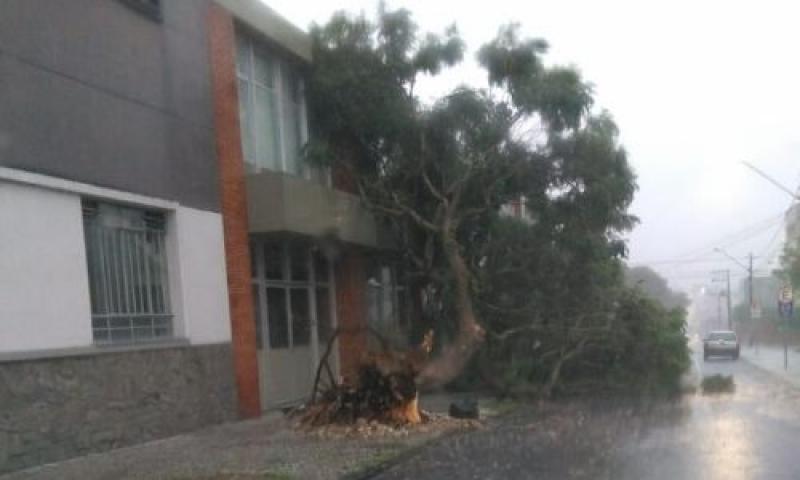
(282, 67)
(394, 324)
(313, 282)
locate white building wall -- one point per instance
(204, 287)
(44, 288)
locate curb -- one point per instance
(771, 373)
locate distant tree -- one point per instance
(655, 286)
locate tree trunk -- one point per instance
(454, 357)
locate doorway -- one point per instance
(293, 291)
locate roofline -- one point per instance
(260, 17)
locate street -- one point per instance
(753, 433)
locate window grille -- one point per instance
(128, 282)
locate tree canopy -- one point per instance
(438, 175)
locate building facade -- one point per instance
(307, 258)
(167, 260)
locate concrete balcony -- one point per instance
(277, 202)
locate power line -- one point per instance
(698, 255)
(745, 233)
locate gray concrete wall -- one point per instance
(278, 202)
(93, 91)
(56, 408)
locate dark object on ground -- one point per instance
(718, 384)
(385, 389)
(465, 408)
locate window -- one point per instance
(271, 109)
(386, 301)
(128, 283)
(291, 283)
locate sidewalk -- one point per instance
(771, 358)
(268, 448)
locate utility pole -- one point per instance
(728, 297)
(750, 281)
(772, 180)
(754, 329)
(749, 269)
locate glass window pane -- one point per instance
(143, 333)
(373, 304)
(246, 124)
(298, 261)
(257, 316)
(402, 307)
(122, 335)
(243, 55)
(142, 322)
(324, 317)
(291, 121)
(387, 297)
(278, 319)
(101, 335)
(273, 261)
(263, 66)
(301, 319)
(266, 128)
(163, 331)
(99, 322)
(321, 271)
(253, 266)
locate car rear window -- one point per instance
(722, 336)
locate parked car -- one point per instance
(721, 343)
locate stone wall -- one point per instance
(57, 408)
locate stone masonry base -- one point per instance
(58, 408)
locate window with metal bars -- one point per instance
(128, 282)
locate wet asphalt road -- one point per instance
(752, 433)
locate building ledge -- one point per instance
(278, 202)
(258, 16)
(54, 353)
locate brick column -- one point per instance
(351, 310)
(234, 208)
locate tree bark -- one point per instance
(454, 357)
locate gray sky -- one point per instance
(696, 88)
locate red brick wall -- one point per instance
(234, 208)
(351, 310)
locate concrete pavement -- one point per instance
(750, 434)
(771, 359)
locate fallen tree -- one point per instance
(538, 292)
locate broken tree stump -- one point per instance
(385, 389)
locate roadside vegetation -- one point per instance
(508, 204)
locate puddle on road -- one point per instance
(717, 384)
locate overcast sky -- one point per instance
(696, 88)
